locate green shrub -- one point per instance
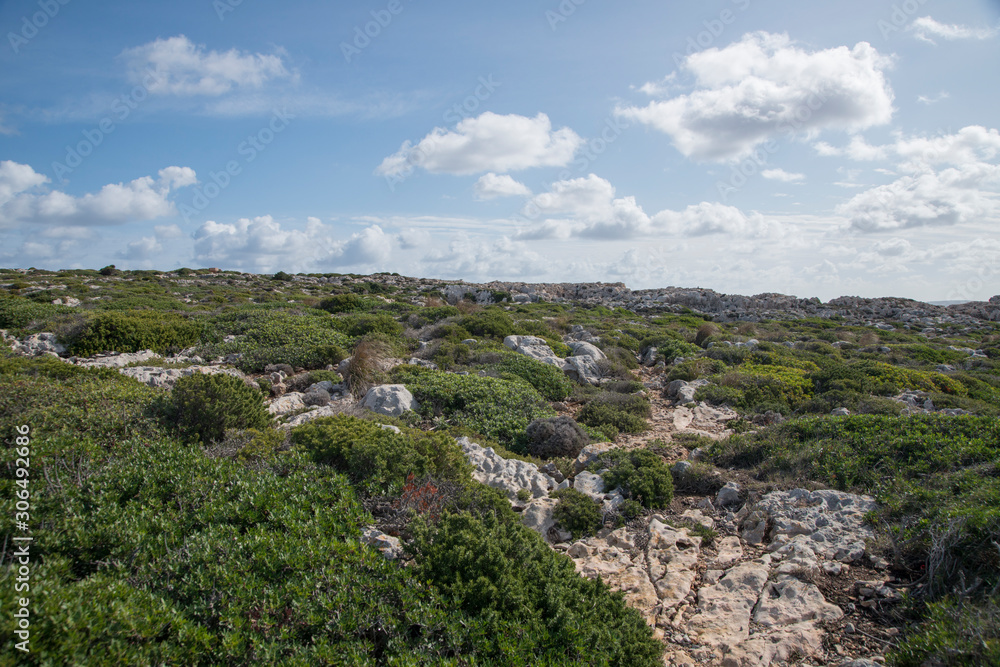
(642, 475)
(265, 336)
(499, 409)
(379, 460)
(627, 413)
(134, 332)
(577, 513)
(490, 322)
(669, 347)
(357, 326)
(555, 436)
(203, 407)
(959, 634)
(346, 303)
(529, 597)
(550, 381)
(432, 315)
(19, 313)
(250, 444)
(623, 386)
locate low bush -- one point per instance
(499, 409)
(642, 475)
(265, 336)
(134, 332)
(626, 412)
(490, 322)
(555, 436)
(357, 326)
(529, 599)
(956, 633)
(203, 407)
(378, 460)
(548, 380)
(577, 513)
(347, 303)
(18, 313)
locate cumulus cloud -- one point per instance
(926, 28)
(144, 198)
(782, 175)
(489, 142)
(714, 218)
(953, 196)
(17, 178)
(492, 186)
(498, 259)
(753, 90)
(588, 208)
(177, 66)
(263, 244)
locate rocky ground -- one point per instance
(729, 578)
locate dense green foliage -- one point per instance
(499, 409)
(263, 336)
(19, 313)
(625, 412)
(642, 475)
(204, 407)
(529, 597)
(136, 331)
(379, 460)
(577, 512)
(550, 381)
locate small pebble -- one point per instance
(849, 629)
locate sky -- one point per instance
(818, 149)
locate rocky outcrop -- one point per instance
(740, 602)
(391, 400)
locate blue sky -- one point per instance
(747, 146)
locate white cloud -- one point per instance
(262, 244)
(924, 99)
(499, 259)
(925, 28)
(709, 218)
(588, 208)
(489, 142)
(17, 178)
(177, 66)
(492, 186)
(950, 197)
(782, 175)
(144, 198)
(753, 90)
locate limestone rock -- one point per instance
(584, 349)
(728, 495)
(789, 601)
(590, 484)
(582, 369)
(507, 475)
(391, 400)
(534, 347)
(726, 605)
(388, 546)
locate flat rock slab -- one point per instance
(726, 605)
(790, 601)
(830, 523)
(507, 475)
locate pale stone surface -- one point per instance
(726, 606)
(537, 515)
(730, 552)
(392, 400)
(388, 546)
(166, 378)
(584, 349)
(789, 601)
(507, 475)
(287, 403)
(590, 484)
